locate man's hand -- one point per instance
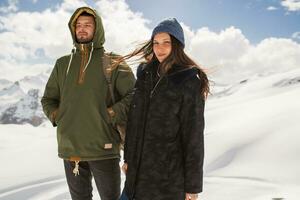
(111, 112)
(124, 168)
(189, 196)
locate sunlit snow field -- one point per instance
(252, 147)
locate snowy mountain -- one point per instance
(26, 110)
(34, 82)
(256, 86)
(10, 94)
(251, 146)
(20, 100)
(4, 83)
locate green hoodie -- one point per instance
(76, 100)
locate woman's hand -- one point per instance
(124, 168)
(189, 196)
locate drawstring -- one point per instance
(89, 57)
(74, 51)
(76, 168)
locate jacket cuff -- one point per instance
(111, 115)
(53, 117)
(193, 189)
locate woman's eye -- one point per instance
(164, 43)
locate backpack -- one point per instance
(107, 70)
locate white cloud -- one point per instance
(272, 8)
(206, 45)
(26, 32)
(124, 29)
(230, 57)
(28, 36)
(291, 5)
(31, 41)
(272, 55)
(71, 5)
(296, 35)
(12, 7)
(14, 70)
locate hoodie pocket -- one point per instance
(60, 113)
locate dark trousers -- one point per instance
(106, 174)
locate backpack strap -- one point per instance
(107, 71)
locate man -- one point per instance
(78, 102)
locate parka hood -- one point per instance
(99, 37)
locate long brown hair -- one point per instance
(177, 56)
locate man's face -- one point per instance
(84, 29)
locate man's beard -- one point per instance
(84, 40)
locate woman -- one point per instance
(164, 147)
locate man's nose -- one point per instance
(81, 28)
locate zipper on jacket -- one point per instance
(160, 78)
(155, 86)
(84, 58)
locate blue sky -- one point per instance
(251, 16)
(258, 19)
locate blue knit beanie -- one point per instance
(172, 27)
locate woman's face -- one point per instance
(162, 46)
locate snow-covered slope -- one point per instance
(251, 137)
(252, 140)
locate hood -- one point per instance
(99, 38)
